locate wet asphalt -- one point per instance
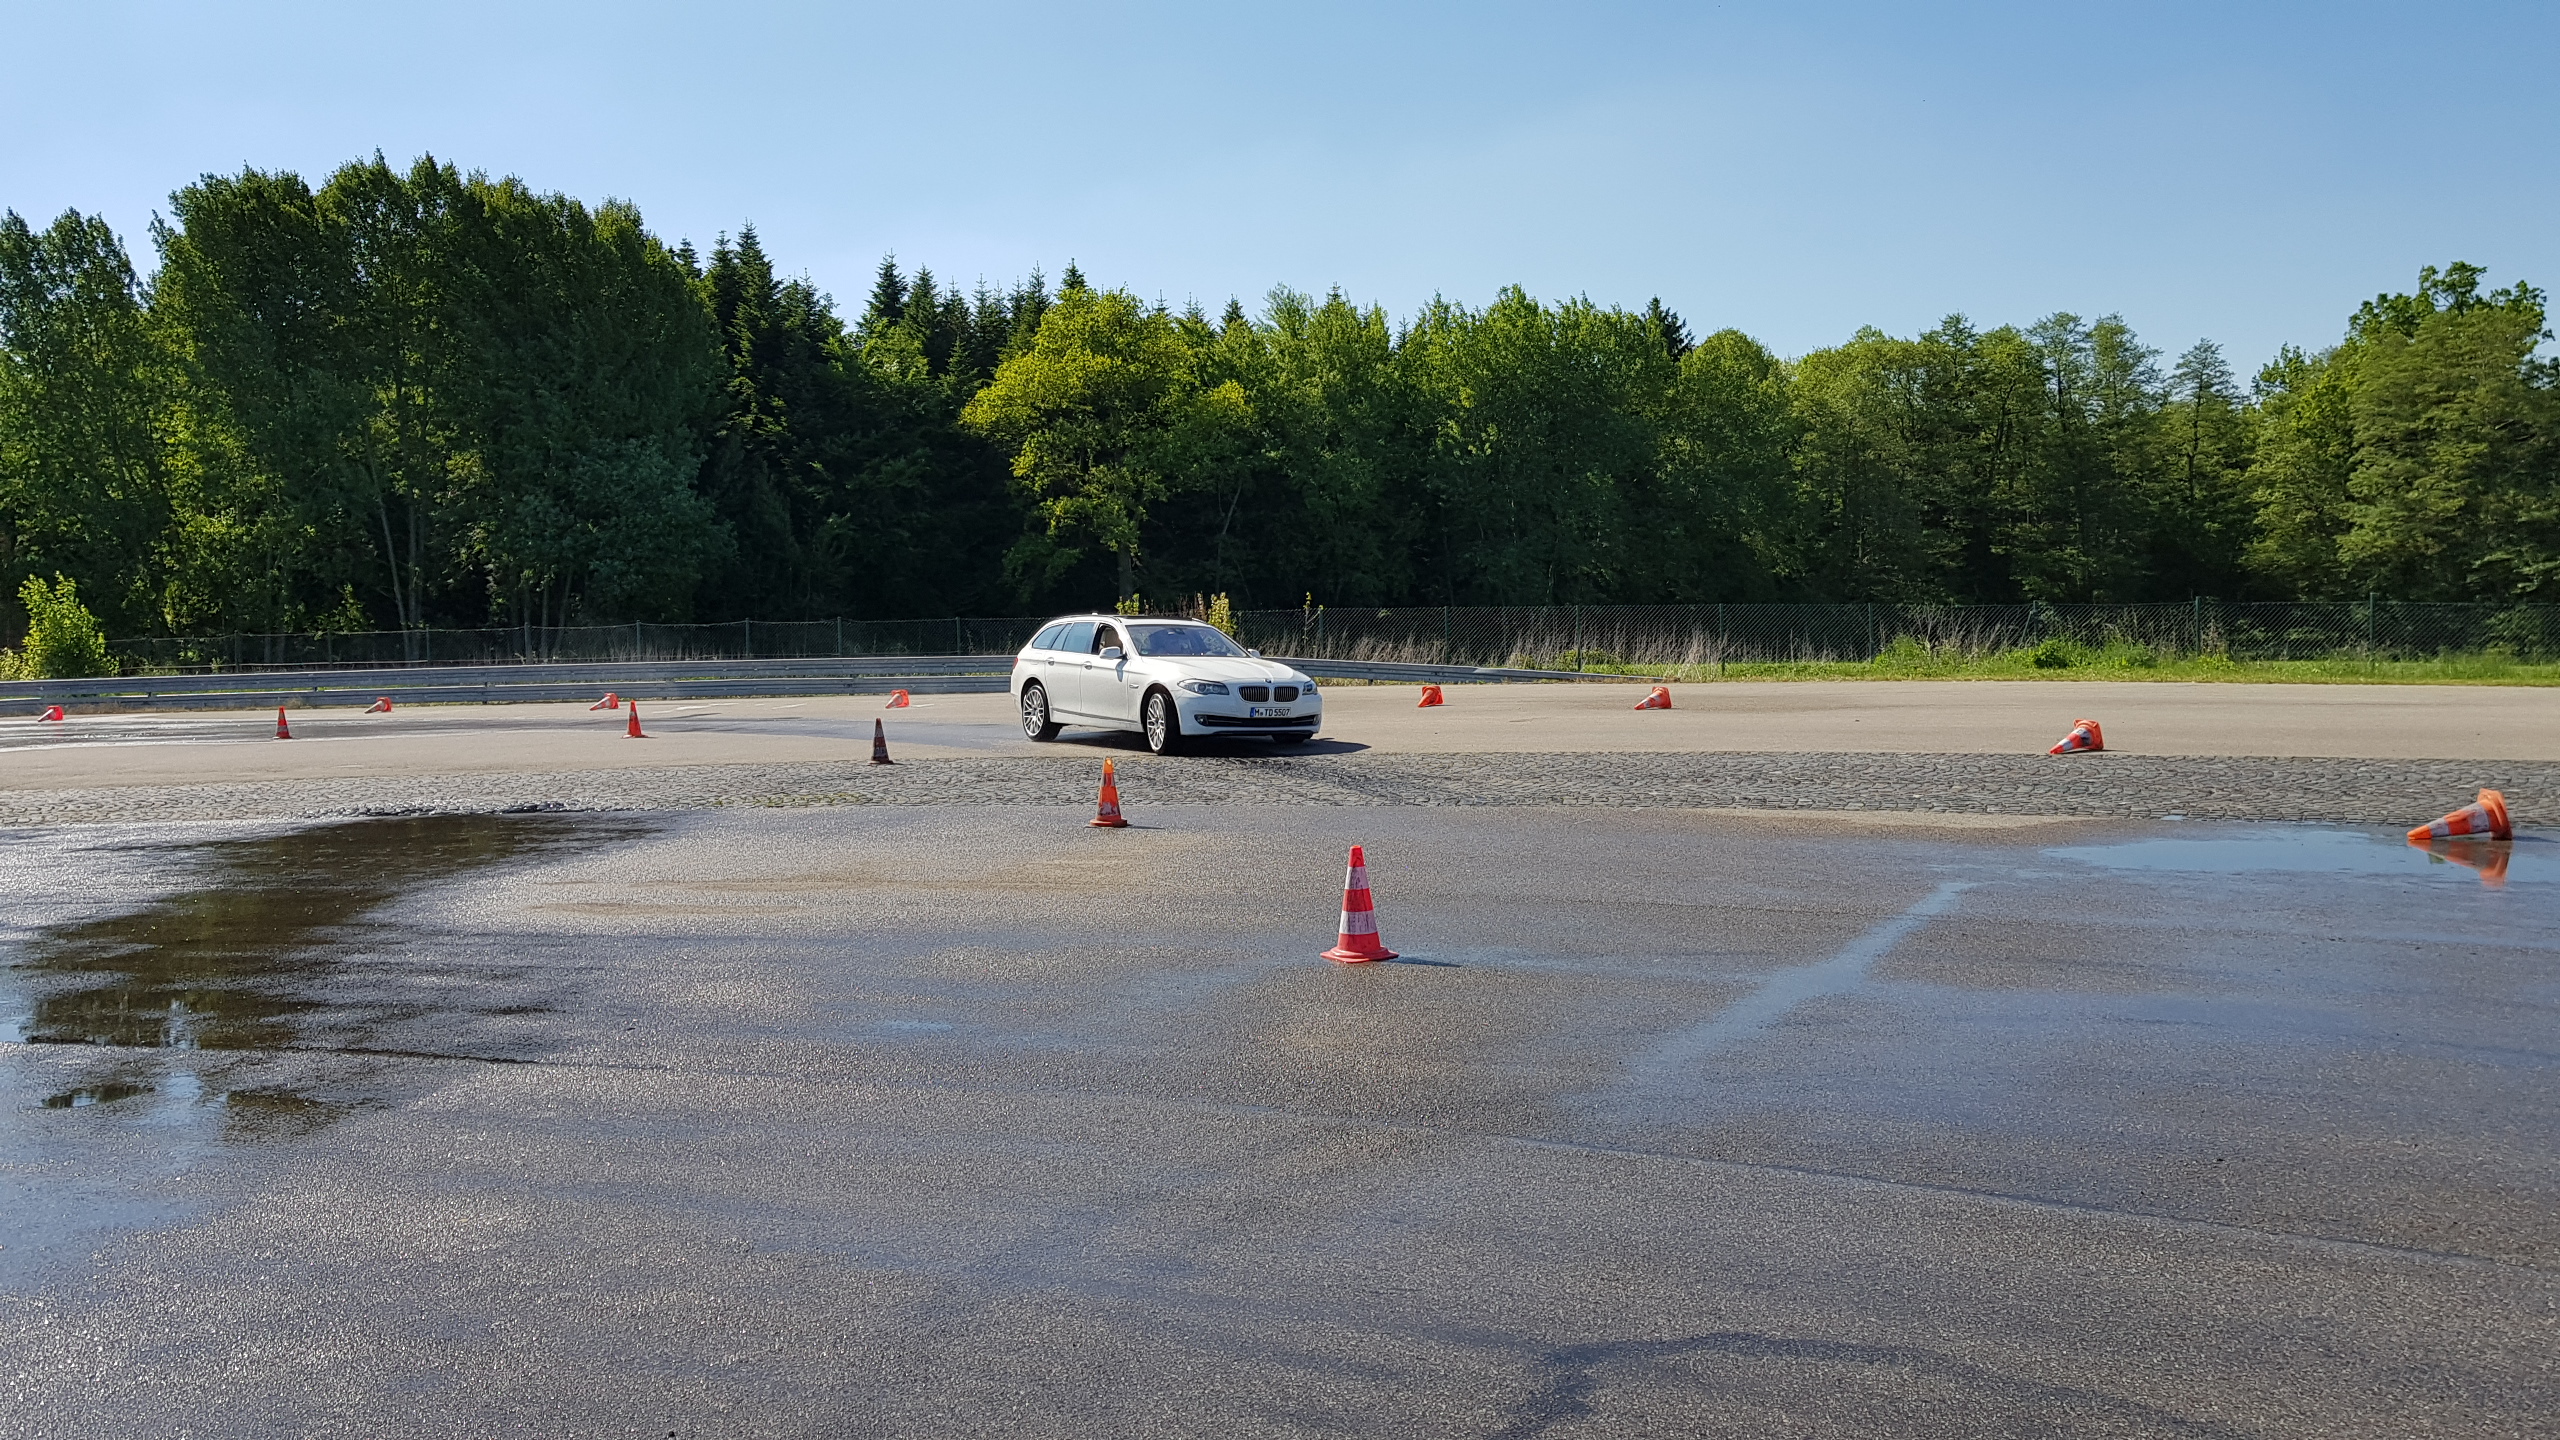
(928, 1120)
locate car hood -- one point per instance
(1232, 671)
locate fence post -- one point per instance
(955, 634)
(747, 634)
(839, 637)
(1577, 639)
(2369, 597)
(635, 640)
(2195, 630)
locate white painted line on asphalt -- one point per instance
(1787, 989)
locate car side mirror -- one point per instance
(1110, 652)
(1253, 654)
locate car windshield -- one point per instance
(1167, 640)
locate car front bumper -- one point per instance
(1226, 715)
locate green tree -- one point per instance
(1104, 415)
(84, 402)
(64, 641)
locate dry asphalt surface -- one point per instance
(750, 1091)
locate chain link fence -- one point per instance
(1556, 637)
(1570, 637)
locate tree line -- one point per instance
(412, 398)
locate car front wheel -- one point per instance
(1035, 713)
(1163, 723)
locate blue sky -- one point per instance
(2241, 171)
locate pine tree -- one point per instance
(888, 297)
(1234, 315)
(1072, 281)
(1674, 332)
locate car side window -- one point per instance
(1049, 639)
(1079, 637)
(1106, 636)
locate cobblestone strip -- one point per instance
(2396, 792)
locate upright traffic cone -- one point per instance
(1107, 815)
(381, 705)
(1430, 697)
(2084, 735)
(2484, 816)
(1358, 941)
(633, 729)
(2486, 856)
(1660, 699)
(51, 712)
(610, 701)
(880, 745)
(897, 700)
(283, 732)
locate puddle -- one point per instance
(243, 959)
(2316, 850)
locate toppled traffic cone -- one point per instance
(1357, 942)
(1430, 697)
(880, 745)
(2084, 735)
(51, 712)
(283, 731)
(633, 730)
(897, 700)
(2489, 857)
(381, 705)
(1106, 816)
(1660, 699)
(2484, 816)
(610, 701)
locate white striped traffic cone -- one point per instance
(1358, 941)
(2484, 816)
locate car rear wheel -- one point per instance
(1163, 723)
(1035, 713)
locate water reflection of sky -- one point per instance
(2309, 849)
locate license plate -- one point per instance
(1266, 712)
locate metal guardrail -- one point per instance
(1402, 673)
(649, 680)
(508, 684)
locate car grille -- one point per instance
(1284, 692)
(1253, 692)
(1302, 722)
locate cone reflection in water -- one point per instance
(2489, 857)
(633, 729)
(1106, 815)
(283, 731)
(2085, 735)
(2484, 816)
(1660, 699)
(1356, 942)
(1430, 697)
(880, 745)
(897, 700)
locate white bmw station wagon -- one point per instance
(1169, 680)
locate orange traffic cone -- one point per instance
(1107, 815)
(2484, 816)
(897, 700)
(51, 712)
(381, 705)
(610, 701)
(1430, 697)
(2084, 735)
(2486, 856)
(1660, 699)
(880, 745)
(1358, 941)
(283, 732)
(633, 730)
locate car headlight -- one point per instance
(1205, 687)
